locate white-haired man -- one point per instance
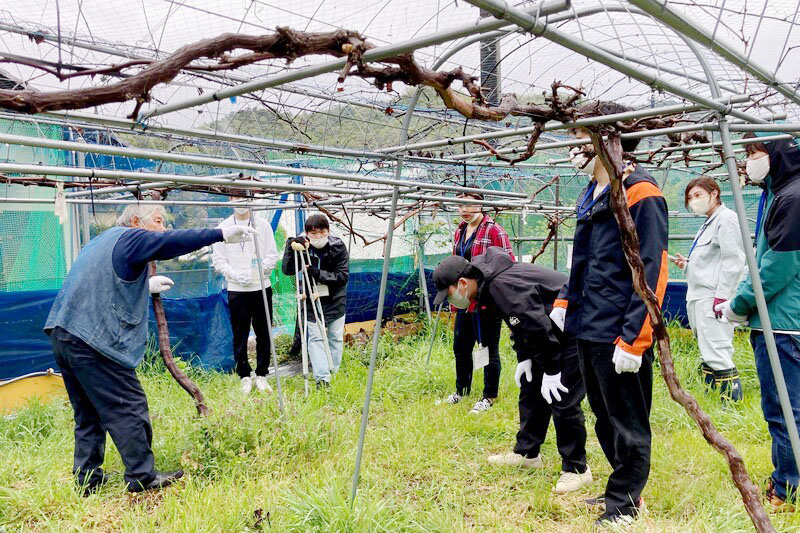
(98, 330)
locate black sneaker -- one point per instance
(87, 488)
(162, 479)
(608, 520)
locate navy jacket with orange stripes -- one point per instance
(601, 303)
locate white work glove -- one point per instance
(727, 313)
(626, 361)
(297, 247)
(552, 387)
(242, 277)
(159, 284)
(523, 367)
(234, 234)
(559, 316)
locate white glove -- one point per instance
(523, 368)
(159, 284)
(297, 247)
(552, 387)
(559, 315)
(234, 234)
(626, 361)
(242, 277)
(727, 313)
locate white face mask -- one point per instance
(458, 300)
(700, 206)
(579, 160)
(757, 169)
(241, 210)
(318, 243)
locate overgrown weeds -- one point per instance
(424, 464)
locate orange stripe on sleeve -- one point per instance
(645, 338)
(639, 191)
(560, 303)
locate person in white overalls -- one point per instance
(713, 271)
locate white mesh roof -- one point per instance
(97, 33)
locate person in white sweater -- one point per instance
(239, 264)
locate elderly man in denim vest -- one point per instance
(98, 329)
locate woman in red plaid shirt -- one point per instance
(477, 232)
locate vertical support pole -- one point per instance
(300, 213)
(520, 230)
(269, 320)
(83, 209)
(433, 334)
(490, 66)
(423, 282)
(555, 234)
(376, 336)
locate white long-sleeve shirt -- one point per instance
(717, 262)
(228, 259)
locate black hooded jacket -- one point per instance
(333, 262)
(522, 294)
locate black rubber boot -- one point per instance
(709, 376)
(730, 386)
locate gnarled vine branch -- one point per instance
(166, 354)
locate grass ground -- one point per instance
(424, 465)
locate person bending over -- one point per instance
(547, 374)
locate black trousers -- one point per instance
(464, 340)
(621, 403)
(248, 308)
(106, 397)
(535, 413)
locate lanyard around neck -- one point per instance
(583, 209)
(476, 323)
(249, 223)
(700, 234)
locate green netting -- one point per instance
(31, 251)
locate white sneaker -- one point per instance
(262, 385)
(481, 406)
(572, 481)
(515, 459)
(452, 399)
(247, 385)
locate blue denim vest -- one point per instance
(97, 306)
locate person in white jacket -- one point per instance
(239, 264)
(713, 270)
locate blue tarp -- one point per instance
(200, 328)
